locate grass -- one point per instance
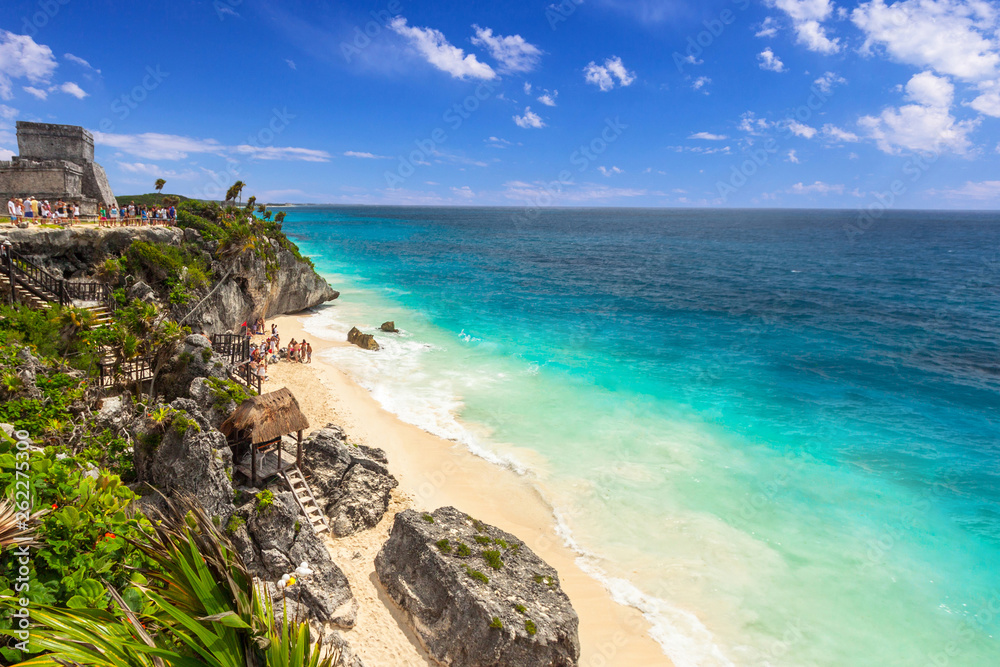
(530, 627)
(265, 500)
(428, 518)
(476, 574)
(492, 558)
(496, 623)
(444, 546)
(463, 550)
(481, 539)
(521, 609)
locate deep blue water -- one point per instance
(744, 416)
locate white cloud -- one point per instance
(835, 133)
(527, 88)
(767, 60)
(291, 63)
(286, 153)
(512, 52)
(80, 61)
(549, 99)
(6, 154)
(465, 192)
(157, 171)
(155, 146)
(826, 82)
(37, 92)
(436, 49)
(530, 119)
(21, 57)
(807, 19)
(366, 155)
(930, 90)
(71, 88)
(801, 129)
(700, 83)
(750, 124)
(792, 157)
(988, 102)
(497, 142)
(768, 28)
(610, 172)
(603, 76)
(816, 188)
(7, 114)
(585, 192)
(926, 125)
(708, 136)
(953, 37)
(981, 191)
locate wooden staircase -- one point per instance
(307, 502)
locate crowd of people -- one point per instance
(132, 215)
(35, 210)
(62, 212)
(269, 351)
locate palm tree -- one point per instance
(279, 216)
(250, 202)
(238, 190)
(159, 185)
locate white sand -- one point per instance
(432, 473)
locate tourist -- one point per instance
(12, 210)
(309, 353)
(76, 210)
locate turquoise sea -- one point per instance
(778, 440)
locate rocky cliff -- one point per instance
(241, 286)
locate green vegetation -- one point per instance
(444, 546)
(151, 199)
(226, 391)
(265, 501)
(428, 518)
(476, 574)
(463, 550)
(530, 627)
(493, 559)
(235, 523)
(521, 609)
(496, 623)
(481, 539)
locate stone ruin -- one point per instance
(55, 162)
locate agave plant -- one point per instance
(14, 532)
(201, 607)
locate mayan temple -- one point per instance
(55, 162)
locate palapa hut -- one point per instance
(256, 429)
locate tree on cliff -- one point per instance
(159, 185)
(236, 191)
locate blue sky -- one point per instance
(784, 103)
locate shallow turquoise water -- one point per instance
(782, 446)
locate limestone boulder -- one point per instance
(362, 340)
(351, 483)
(475, 594)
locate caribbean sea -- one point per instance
(777, 437)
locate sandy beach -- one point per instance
(434, 472)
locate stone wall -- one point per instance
(49, 179)
(45, 141)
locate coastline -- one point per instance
(434, 472)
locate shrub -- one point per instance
(444, 546)
(530, 627)
(428, 518)
(477, 575)
(265, 500)
(520, 608)
(463, 550)
(481, 539)
(493, 559)
(234, 524)
(496, 623)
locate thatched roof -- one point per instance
(266, 417)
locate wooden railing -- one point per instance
(47, 287)
(125, 372)
(245, 374)
(236, 347)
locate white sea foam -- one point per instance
(399, 379)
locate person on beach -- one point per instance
(12, 210)
(274, 329)
(309, 353)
